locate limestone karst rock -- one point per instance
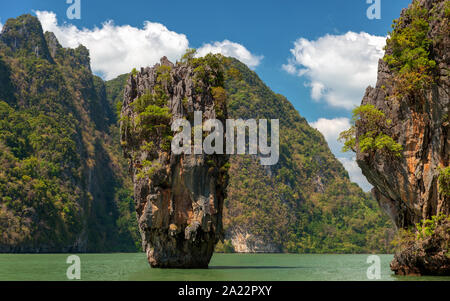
(178, 198)
(407, 187)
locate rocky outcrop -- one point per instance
(425, 252)
(25, 34)
(178, 198)
(244, 242)
(407, 187)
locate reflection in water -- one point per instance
(250, 267)
(223, 267)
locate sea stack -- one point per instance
(178, 197)
(412, 93)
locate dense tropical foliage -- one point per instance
(409, 52)
(62, 184)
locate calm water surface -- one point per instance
(134, 266)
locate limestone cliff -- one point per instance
(178, 198)
(412, 92)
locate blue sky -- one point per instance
(321, 78)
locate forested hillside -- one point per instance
(62, 185)
(306, 202)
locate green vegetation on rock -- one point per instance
(433, 233)
(444, 181)
(409, 52)
(372, 123)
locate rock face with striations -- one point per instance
(408, 187)
(178, 198)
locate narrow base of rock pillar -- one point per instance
(178, 260)
(167, 251)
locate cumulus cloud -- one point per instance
(116, 49)
(1, 26)
(330, 129)
(355, 173)
(338, 67)
(228, 48)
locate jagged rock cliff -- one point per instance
(179, 198)
(413, 92)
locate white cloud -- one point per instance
(338, 67)
(355, 173)
(317, 89)
(228, 48)
(1, 26)
(290, 67)
(330, 128)
(116, 49)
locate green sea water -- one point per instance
(245, 267)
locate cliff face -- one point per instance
(179, 198)
(415, 98)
